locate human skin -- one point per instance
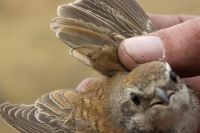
(177, 40)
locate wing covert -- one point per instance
(91, 26)
(52, 113)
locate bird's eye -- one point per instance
(173, 76)
(135, 99)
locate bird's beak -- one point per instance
(162, 95)
(161, 98)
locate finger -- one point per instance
(178, 45)
(194, 83)
(164, 21)
(83, 85)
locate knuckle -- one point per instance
(194, 28)
(195, 24)
(196, 20)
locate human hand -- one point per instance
(177, 41)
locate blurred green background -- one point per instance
(33, 61)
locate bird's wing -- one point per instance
(89, 26)
(52, 113)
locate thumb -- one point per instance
(178, 45)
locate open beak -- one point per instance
(161, 97)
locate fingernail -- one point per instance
(142, 49)
(83, 85)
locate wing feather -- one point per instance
(92, 25)
(124, 17)
(52, 113)
(75, 33)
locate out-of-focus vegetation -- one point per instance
(33, 61)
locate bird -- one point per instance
(151, 98)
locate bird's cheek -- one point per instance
(180, 101)
(163, 117)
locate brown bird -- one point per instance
(149, 99)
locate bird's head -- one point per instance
(152, 97)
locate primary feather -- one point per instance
(47, 115)
(94, 29)
(108, 18)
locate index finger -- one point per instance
(164, 21)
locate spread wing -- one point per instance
(52, 113)
(91, 27)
